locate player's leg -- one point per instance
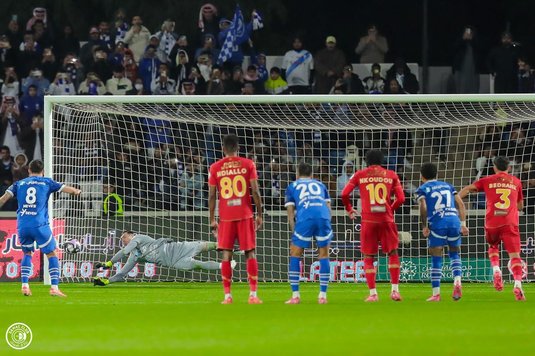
(511, 242)
(226, 235)
(47, 244)
(493, 239)
(247, 240)
(454, 248)
(27, 243)
(389, 245)
(324, 235)
(190, 249)
(294, 269)
(369, 246)
(436, 252)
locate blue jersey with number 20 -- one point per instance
(310, 198)
(32, 195)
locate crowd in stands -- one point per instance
(123, 57)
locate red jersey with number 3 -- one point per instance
(376, 185)
(503, 192)
(232, 176)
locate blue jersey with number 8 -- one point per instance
(310, 198)
(32, 195)
(440, 201)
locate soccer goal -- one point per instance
(142, 163)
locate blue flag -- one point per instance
(236, 35)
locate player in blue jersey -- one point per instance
(443, 224)
(32, 221)
(309, 215)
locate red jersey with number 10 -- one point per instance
(503, 192)
(232, 176)
(376, 185)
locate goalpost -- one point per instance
(142, 163)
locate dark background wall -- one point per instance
(400, 21)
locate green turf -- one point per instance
(186, 318)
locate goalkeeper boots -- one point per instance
(519, 294)
(57, 293)
(435, 298)
(26, 291)
(498, 281)
(101, 281)
(457, 292)
(395, 296)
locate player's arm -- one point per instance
(211, 207)
(520, 199)
(4, 198)
(118, 256)
(128, 266)
(472, 188)
(71, 190)
(257, 202)
(422, 206)
(290, 211)
(399, 194)
(462, 214)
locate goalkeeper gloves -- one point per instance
(105, 265)
(101, 281)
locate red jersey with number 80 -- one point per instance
(503, 192)
(232, 176)
(376, 185)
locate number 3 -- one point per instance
(505, 202)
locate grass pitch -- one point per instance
(186, 318)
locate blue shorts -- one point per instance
(42, 235)
(450, 236)
(320, 229)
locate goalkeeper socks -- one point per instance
(494, 257)
(252, 274)
(293, 273)
(436, 273)
(455, 263)
(226, 275)
(53, 269)
(25, 269)
(393, 268)
(369, 272)
(516, 268)
(325, 273)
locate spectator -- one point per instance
(121, 26)
(41, 35)
(10, 124)
(406, 80)
(327, 178)
(191, 188)
(137, 38)
(87, 51)
(526, 83)
(117, 56)
(118, 84)
(49, 65)
(181, 44)
(36, 79)
(393, 87)
(260, 62)
(167, 38)
(350, 82)
(14, 34)
(503, 65)
(155, 41)
(329, 63)
(163, 85)
(208, 47)
(6, 175)
(205, 65)
(29, 55)
(31, 105)
(92, 85)
(466, 63)
(106, 36)
(184, 68)
(8, 54)
(215, 85)
(39, 14)
(306, 154)
(235, 84)
(372, 47)
(67, 43)
(208, 21)
(248, 88)
(236, 56)
(32, 137)
(19, 170)
(275, 183)
(90, 173)
(11, 87)
(138, 88)
(148, 67)
(62, 85)
(101, 66)
(73, 67)
(130, 66)
(251, 76)
(297, 67)
(275, 84)
(374, 84)
(348, 169)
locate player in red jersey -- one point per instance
(376, 185)
(234, 177)
(504, 200)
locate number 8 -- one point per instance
(31, 195)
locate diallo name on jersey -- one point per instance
(231, 172)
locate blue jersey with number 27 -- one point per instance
(32, 196)
(440, 201)
(310, 198)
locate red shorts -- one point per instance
(509, 234)
(373, 233)
(242, 230)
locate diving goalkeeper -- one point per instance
(164, 252)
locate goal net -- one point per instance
(142, 165)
